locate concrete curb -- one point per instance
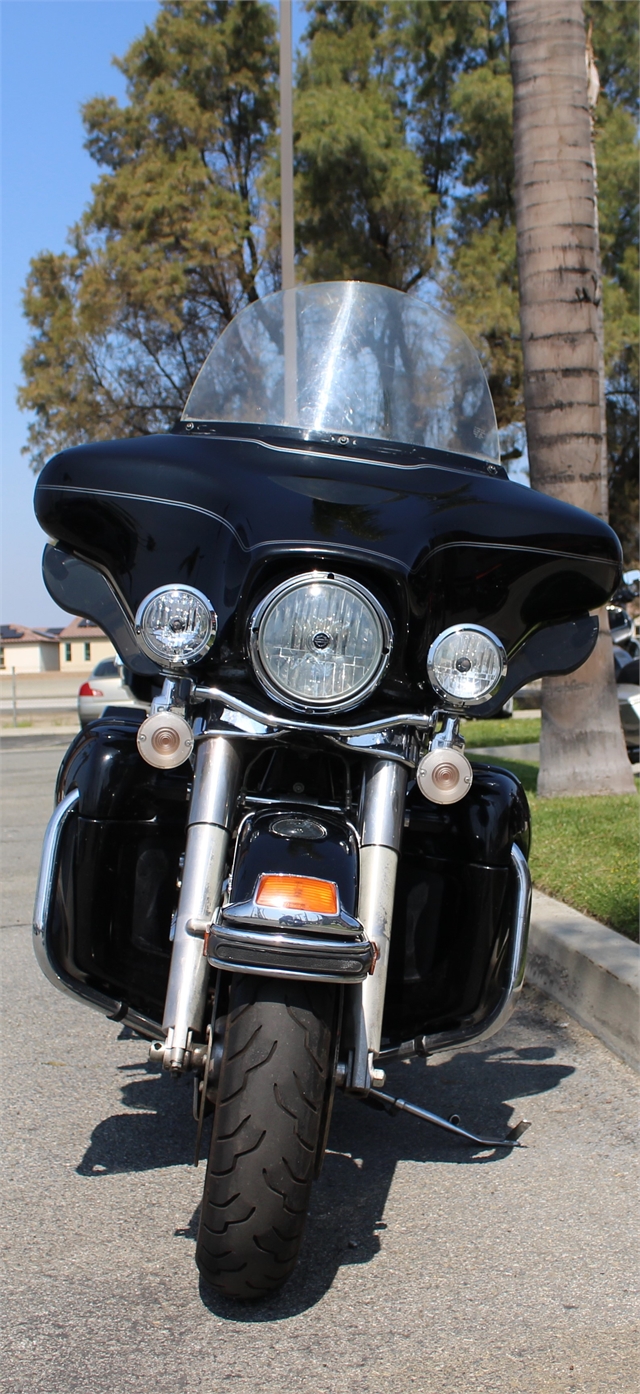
(590, 970)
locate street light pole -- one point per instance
(286, 146)
(287, 215)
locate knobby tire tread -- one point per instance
(273, 1082)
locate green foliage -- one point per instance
(482, 287)
(585, 851)
(615, 27)
(362, 208)
(483, 102)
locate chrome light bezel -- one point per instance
(161, 659)
(309, 578)
(466, 629)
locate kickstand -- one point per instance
(401, 1106)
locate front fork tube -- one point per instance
(215, 788)
(381, 822)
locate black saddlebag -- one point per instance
(455, 903)
(119, 865)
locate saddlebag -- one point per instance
(117, 868)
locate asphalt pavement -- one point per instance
(427, 1266)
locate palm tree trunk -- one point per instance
(582, 749)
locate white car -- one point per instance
(103, 688)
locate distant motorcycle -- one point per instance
(287, 873)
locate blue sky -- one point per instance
(55, 55)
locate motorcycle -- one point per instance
(281, 869)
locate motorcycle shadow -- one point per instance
(157, 1132)
(346, 1217)
(348, 1201)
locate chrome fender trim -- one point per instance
(43, 948)
(281, 955)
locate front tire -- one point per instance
(275, 1080)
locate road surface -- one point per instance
(427, 1267)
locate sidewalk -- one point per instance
(592, 971)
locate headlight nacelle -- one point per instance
(466, 664)
(176, 625)
(320, 642)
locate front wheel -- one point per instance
(275, 1082)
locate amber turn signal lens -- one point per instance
(298, 893)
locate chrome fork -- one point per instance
(215, 789)
(381, 823)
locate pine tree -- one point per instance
(362, 207)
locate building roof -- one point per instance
(81, 629)
(22, 634)
(77, 629)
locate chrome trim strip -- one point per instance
(49, 861)
(312, 543)
(422, 721)
(43, 948)
(481, 1031)
(146, 498)
(284, 955)
(355, 459)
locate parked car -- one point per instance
(628, 683)
(104, 688)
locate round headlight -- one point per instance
(320, 641)
(466, 663)
(176, 625)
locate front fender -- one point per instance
(329, 851)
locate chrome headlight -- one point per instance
(320, 641)
(176, 625)
(466, 663)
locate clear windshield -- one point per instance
(352, 358)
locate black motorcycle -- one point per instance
(281, 868)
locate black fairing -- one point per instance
(120, 862)
(440, 539)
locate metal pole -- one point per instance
(287, 214)
(14, 707)
(286, 147)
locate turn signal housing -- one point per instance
(278, 891)
(444, 775)
(165, 740)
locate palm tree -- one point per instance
(582, 748)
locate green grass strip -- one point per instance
(586, 851)
(509, 732)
